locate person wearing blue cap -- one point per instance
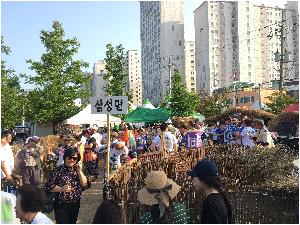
(216, 206)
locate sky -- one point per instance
(93, 23)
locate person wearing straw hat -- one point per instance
(158, 194)
(216, 206)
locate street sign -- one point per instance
(109, 105)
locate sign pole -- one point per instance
(163, 145)
(108, 147)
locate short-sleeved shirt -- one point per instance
(8, 214)
(61, 176)
(41, 218)
(264, 136)
(170, 141)
(179, 215)
(6, 155)
(246, 134)
(98, 138)
(214, 210)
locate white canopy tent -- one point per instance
(147, 104)
(86, 117)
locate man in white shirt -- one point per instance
(30, 202)
(6, 154)
(170, 140)
(246, 134)
(96, 135)
(264, 136)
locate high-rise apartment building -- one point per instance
(189, 76)
(291, 44)
(134, 80)
(162, 37)
(236, 41)
(223, 44)
(98, 83)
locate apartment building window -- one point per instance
(172, 27)
(179, 43)
(192, 61)
(192, 78)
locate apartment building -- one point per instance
(162, 38)
(236, 41)
(98, 83)
(134, 79)
(189, 76)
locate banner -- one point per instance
(229, 137)
(194, 139)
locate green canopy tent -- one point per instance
(145, 115)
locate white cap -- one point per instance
(296, 163)
(169, 121)
(94, 127)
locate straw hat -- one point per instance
(156, 181)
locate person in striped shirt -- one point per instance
(158, 195)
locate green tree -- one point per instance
(59, 79)
(12, 96)
(116, 75)
(214, 104)
(180, 102)
(278, 101)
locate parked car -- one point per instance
(21, 133)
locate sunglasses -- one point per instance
(73, 158)
(88, 148)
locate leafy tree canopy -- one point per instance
(181, 102)
(278, 101)
(59, 78)
(12, 96)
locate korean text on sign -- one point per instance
(194, 139)
(110, 105)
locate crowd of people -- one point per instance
(77, 164)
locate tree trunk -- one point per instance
(54, 124)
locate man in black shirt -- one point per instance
(216, 207)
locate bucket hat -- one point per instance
(159, 190)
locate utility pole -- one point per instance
(170, 64)
(281, 55)
(170, 74)
(259, 97)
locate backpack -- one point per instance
(89, 156)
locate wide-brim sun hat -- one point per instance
(156, 181)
